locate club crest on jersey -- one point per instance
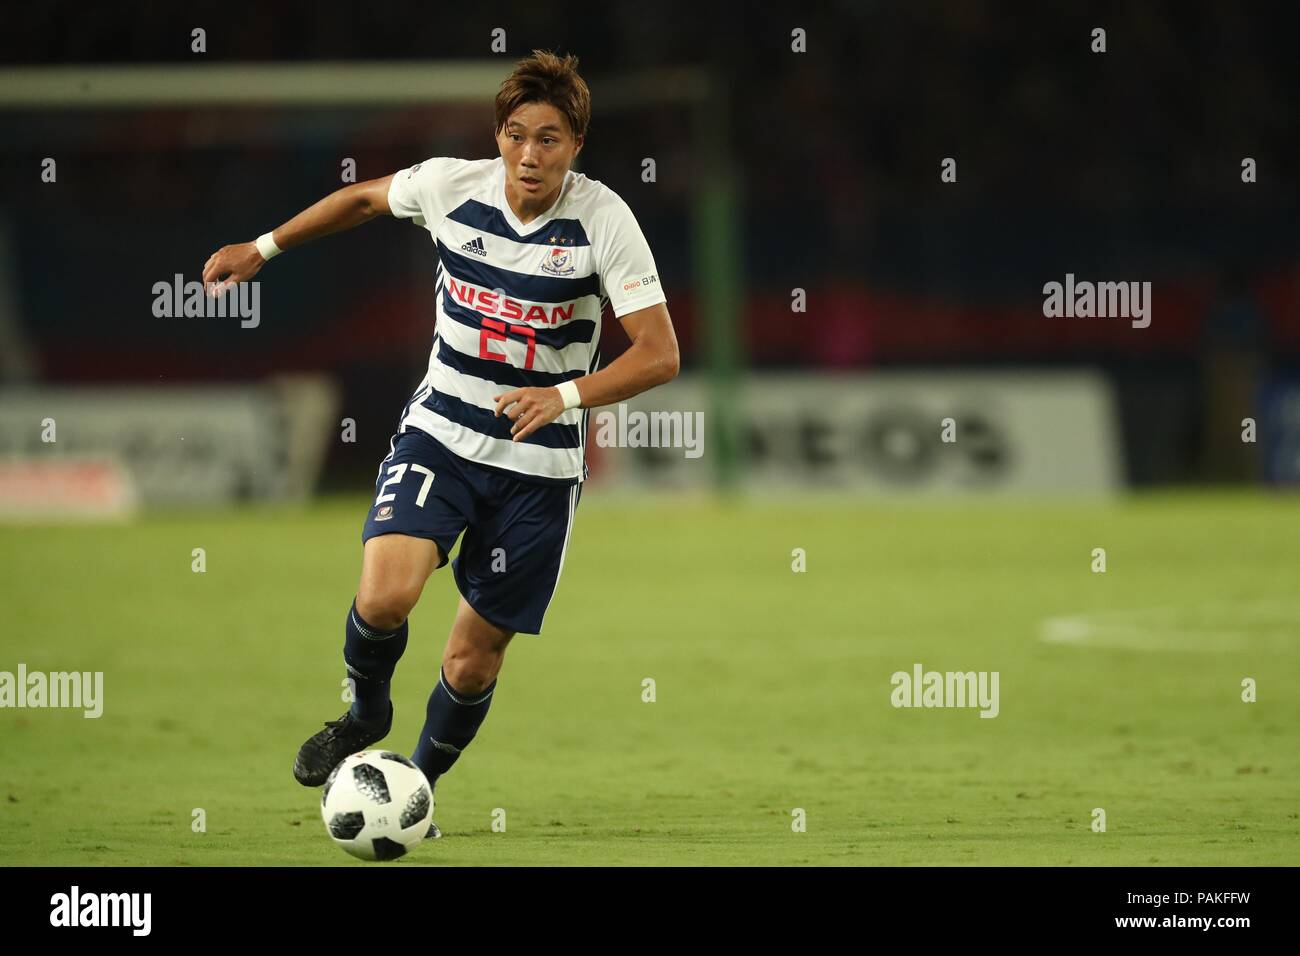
(384, 513)
(558, 262)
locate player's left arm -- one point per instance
(650, 360)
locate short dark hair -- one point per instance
(545, 78)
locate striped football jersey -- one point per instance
(517, 305)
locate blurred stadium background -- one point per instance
(776, 173)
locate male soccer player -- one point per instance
(529, 253)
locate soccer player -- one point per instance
(492, 442)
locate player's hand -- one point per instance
(229, 265)
(529, 409)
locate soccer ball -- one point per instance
(377, 805)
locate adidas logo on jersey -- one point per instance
(475, 246)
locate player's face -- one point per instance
(538, 148)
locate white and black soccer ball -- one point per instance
(377, 805)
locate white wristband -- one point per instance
(569, 392)
(267, 247)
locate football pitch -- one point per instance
(1119, 691)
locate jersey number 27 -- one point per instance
(494, 330)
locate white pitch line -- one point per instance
(1202, 628)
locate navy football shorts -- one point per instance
(516, 532)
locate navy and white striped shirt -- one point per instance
(517, 305)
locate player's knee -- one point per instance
(387, 605)
(469, 673)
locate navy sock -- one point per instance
(451, 721)
(371, 656)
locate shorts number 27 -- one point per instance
(395, 474)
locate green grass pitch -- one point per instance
(772, 687)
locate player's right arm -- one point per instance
(342, 209)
